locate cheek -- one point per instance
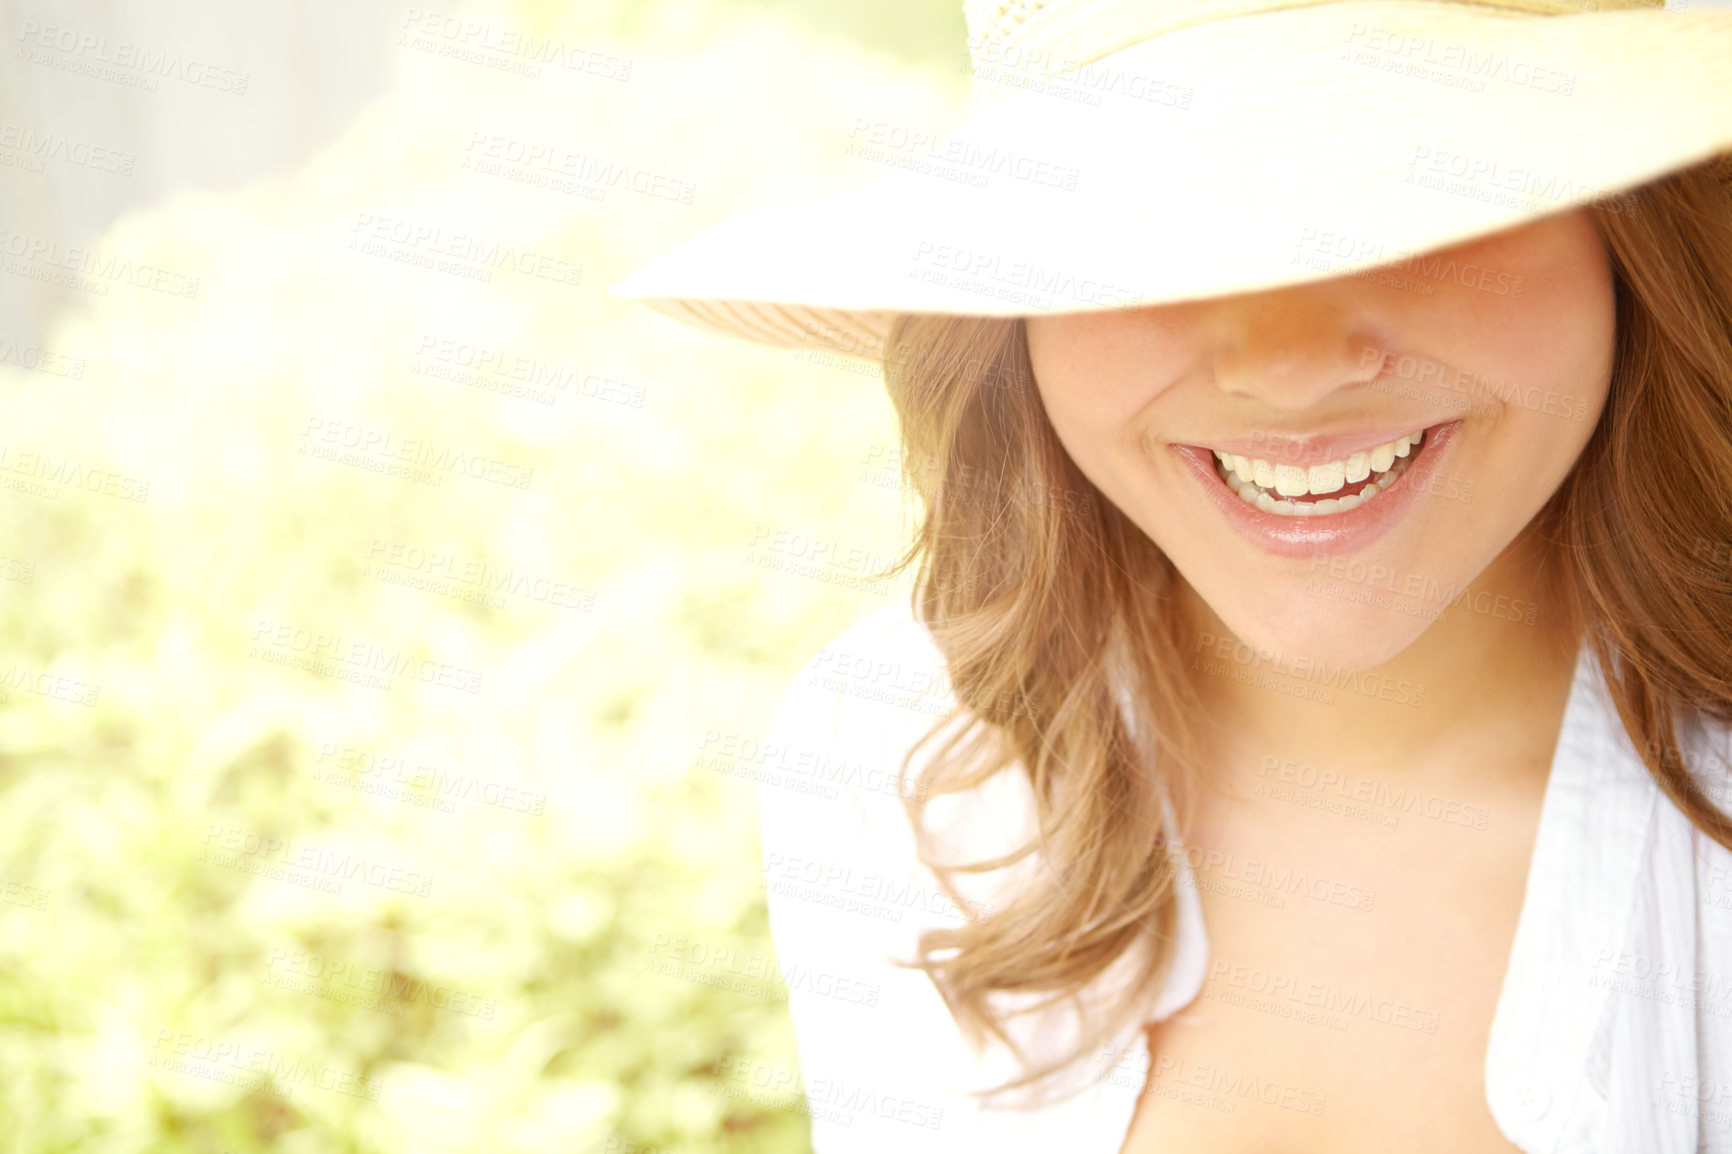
(1099, 376)
(1085, 418)
(1546, 360)
(1562, 298)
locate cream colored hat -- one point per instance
(1122, 153)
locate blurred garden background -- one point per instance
(388, 623)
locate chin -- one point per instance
(1313, 629)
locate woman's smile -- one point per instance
(1338, 485)
(1334, 507)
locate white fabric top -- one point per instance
(1613, 1030)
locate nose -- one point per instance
(1289, 348)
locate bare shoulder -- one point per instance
(887, 658)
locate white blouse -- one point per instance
(1613, 1030)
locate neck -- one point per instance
(1481, 673)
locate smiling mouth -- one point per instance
(1320, 490)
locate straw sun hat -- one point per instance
(1122, 153)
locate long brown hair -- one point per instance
(1053, 611)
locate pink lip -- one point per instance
(1307, 451)
(1336, 534)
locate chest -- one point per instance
(1354, 972)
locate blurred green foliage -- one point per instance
(250, 906)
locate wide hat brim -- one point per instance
(1235, 155)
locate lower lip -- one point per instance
(1333, 534)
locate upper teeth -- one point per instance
(1329, 477)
